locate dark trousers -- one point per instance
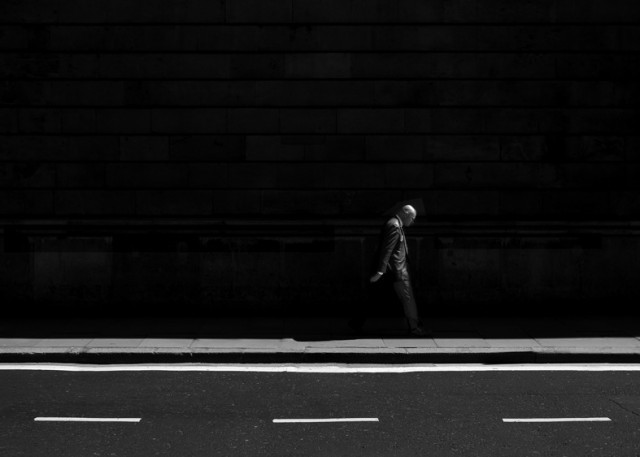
(385, 288)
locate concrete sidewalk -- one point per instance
(480, 340)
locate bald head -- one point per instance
(408, 215)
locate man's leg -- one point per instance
(405, 294)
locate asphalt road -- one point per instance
(410, 414)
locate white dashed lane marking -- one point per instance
(560, 419)
(87, 419)
(346, 419)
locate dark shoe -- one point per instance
(420, 332)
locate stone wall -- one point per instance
(172, 157)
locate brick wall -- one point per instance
(182, 118)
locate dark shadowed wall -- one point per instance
(238, 156)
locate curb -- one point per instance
(368, 357)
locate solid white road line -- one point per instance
(347, 419)
(87, 419)
(561, 419)
(318, 368)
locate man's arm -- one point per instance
(389, 241)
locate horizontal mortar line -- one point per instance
(88, 419)
(285, 79)
(349, 419)
(375, 107)
(301, 24)
(178, 136)
(366, 161)
(312, 80)
(106, 135)
(554, 191)
(618, 133)
(561, 419)
(287, 25)
(318, 368)
(339, 109)
(297, 52)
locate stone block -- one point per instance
(302, 203)
(79, 121)
(147, 175)
(331, 38)
(611, 121)
(602, 66)
(521, 121)
(329, 176)
(463, 203)
(257, 11)
(461, 147)
(94, 203)
(631, 145)
(486, 175)
(121, 11)
(253, 175)
(525, 148)
(257, 66)
(408, 176)
(596, 148)
(370, 120)
(237, 202)
(71, 270)
(369, 203)
(311, 121)
(207, 147)
(520, 204)
(426, 38)
(144, 148)
(318, 65)
(338, 148)
(27, 175)
(208, 175)
(594, 11)
(253, 120)
(20, 202)
(185, 121)
(123, 121)
(148, 66)
(38, 120)
(28, 11)
(600, 176)
(198, 93)
(576, 204)
(92, 148)
(388, 148)
(625, 203)
(335, 11)
(504, 11)
(23, 93)
(83, 93)
(446, 121)
(80, 175)
(272, 148)
(173, 202)
(313, 93)
(405, 93)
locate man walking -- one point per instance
(392, 259)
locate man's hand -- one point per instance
(375, 277)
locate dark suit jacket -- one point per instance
(392, 255)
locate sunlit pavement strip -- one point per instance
(346, 419)
(318, 368)
(87, 419)
(561, 419)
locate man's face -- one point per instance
(409, 218)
